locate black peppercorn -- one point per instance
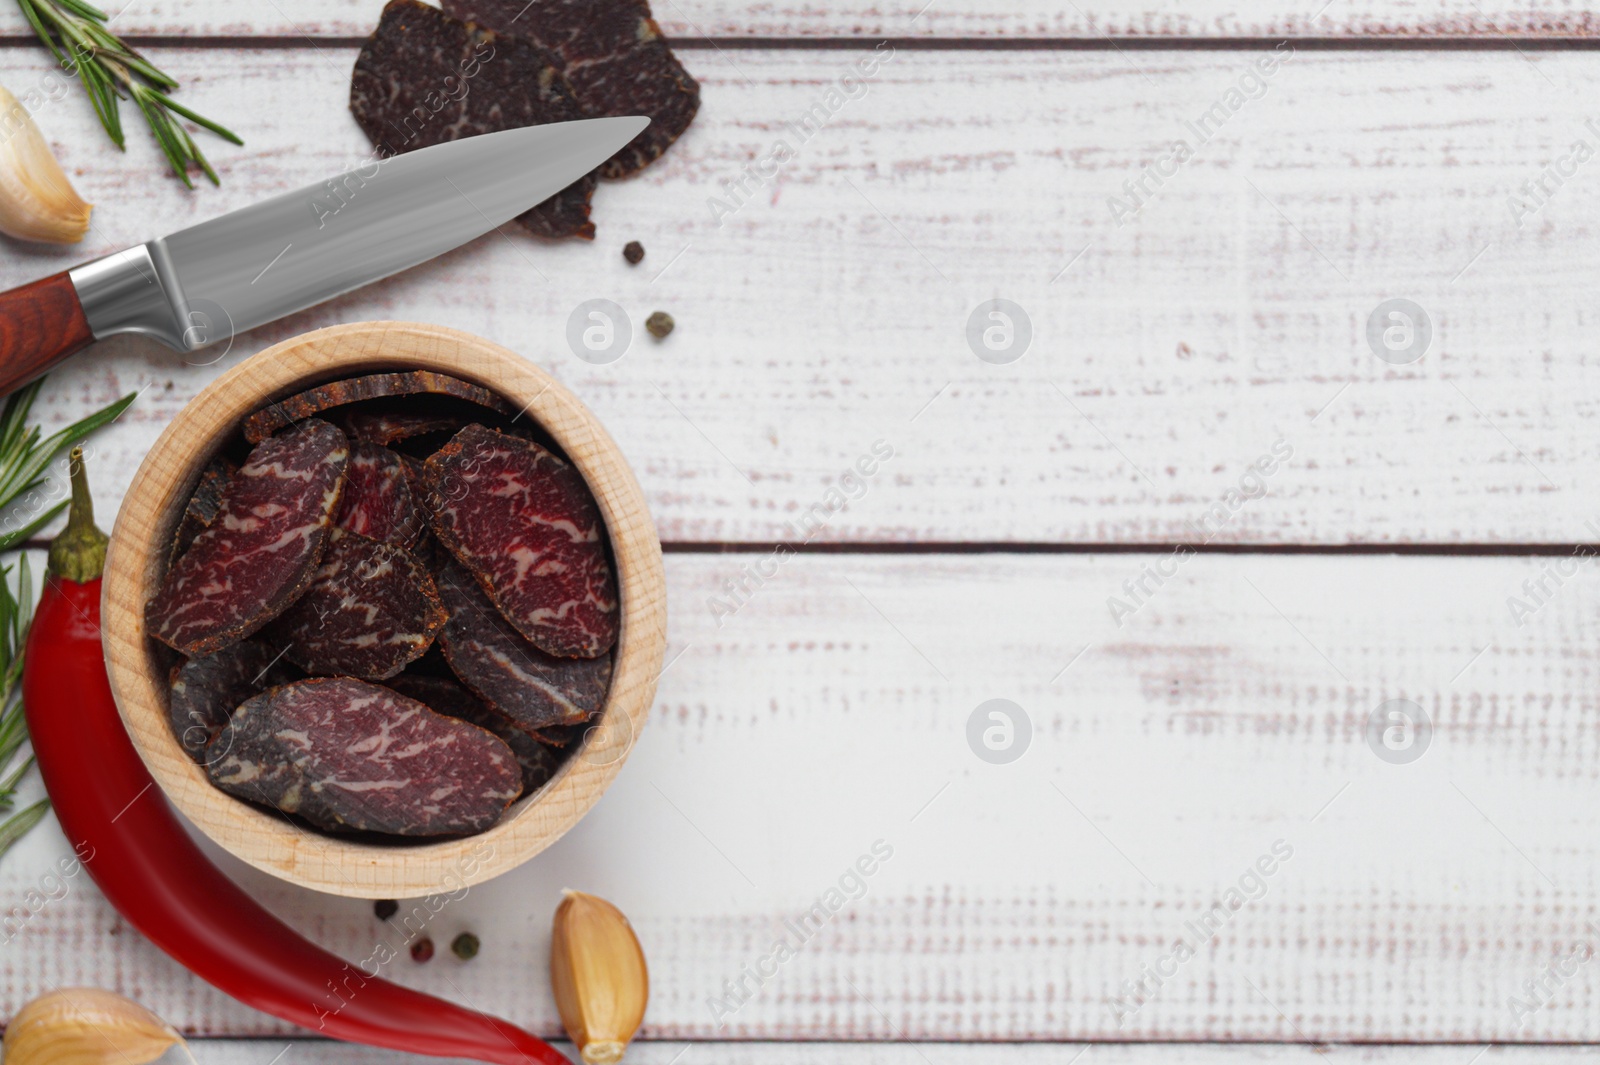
(659, 324)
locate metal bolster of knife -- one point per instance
(135, 291)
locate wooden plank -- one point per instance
(1224, 723)
(1170, 355)
(931, 19)
(251, 1052)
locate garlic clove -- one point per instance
(598, 972)
(37, 202)
(86, 1026)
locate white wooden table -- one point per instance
(1220, 712)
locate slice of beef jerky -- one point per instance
(533, 689)
(391, 427)
(424, 78)
(260, 552)
(377, 499)
(263, 423)
(345, 754)
(371, 609)
(444, 696)
(524, 524)
(201, 510)
(205, 690)
(615, 57)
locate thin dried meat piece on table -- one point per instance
(206, 690)
(371, 609)
(615, 57)
(424, 78)
(313, 401)
(262, 549)
(442, 695)
(533, 689)
(202, 507)
(523, 523)
(377, 499)
(391, 427)
(348, 755)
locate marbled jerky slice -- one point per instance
(263, 423)
(206, 689)
(533, 689)
(201, 510)
(345, 754)
(523, 523)
(392, 427)
(260, 552)
(377, 499)
(424, 78)
(442, 695)
(616, 59)
(371, 608)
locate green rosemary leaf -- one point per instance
(21, 536)
(75, 32)
(24, 456)
(15, 477)
(21, 823)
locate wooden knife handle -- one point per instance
(40, 324)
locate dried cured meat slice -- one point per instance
(348, 755)
(205, 690)
(263, 423)
(370, 609)
(377, 499)
(424, 78)
(391, 427)
(523, 523)
(260, 552)
(442, 695)
(615, 57)
(533, 689)
(202, 507)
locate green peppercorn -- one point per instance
(465, 946)
(384, 909)
(659, 324)
(422, 949)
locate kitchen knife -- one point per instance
(251, 266)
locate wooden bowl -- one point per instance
(148, 520)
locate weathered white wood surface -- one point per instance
(980, 19)
(1169, 354)
(252, 1052)
(1228, 713)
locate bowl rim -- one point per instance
(271, 842)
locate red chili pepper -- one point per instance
(162, 883)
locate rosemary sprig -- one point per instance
(76, 34)
(24, 457)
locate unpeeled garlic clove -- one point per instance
(37, 202)
(86, 1026)
(598, 972)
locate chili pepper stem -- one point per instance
(78, 553)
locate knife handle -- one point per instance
(40, 324)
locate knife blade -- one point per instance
(262, 262)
